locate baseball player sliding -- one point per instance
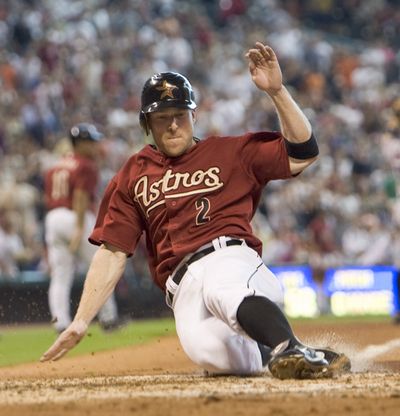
(70, 196)
(194, 199)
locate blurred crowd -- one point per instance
(68, 61)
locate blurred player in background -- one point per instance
(70, 197)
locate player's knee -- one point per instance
(223, 304)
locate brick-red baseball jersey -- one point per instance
(183, 203)
(70, 173)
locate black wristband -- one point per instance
(302, 151)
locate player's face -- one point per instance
(172, 130)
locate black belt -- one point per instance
(197, 256)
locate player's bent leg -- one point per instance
(244, 294)
(208, 341)
(264, 321)
(219, 350)
(232, 275)
(213, 346)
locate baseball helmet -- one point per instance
(84, 131)
(163, 90)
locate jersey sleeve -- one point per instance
(118, 221)
(264, 157)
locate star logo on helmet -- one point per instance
(166, 89)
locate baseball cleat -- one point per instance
(301, 362)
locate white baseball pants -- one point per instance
(59, 226)
(206, 301)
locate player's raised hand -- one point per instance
(66, 341)
(264, 68)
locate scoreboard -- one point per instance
(352, 290)
(362, 290)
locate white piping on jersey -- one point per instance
(197, 191)
(155, 205)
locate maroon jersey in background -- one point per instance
(218, 182)
(70, 173)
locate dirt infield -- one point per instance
(157, 379)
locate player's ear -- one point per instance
(194, 116)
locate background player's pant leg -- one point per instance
(208, 341)
(109, 311)
(59, 223)
(62, 276)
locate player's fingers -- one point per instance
(252, 63)
(61, 343)
(60, 354)
(260, 46)
(55, 352)
(254, 55)
(254, 51)
(265, 50)
(252, 67)
(51, 352)
(270, 52)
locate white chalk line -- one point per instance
(362, 359)
(373, 351)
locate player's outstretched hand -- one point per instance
(264, 68)
(66, 341)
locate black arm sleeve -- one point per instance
(303, 151)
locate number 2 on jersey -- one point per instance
(203, 207)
